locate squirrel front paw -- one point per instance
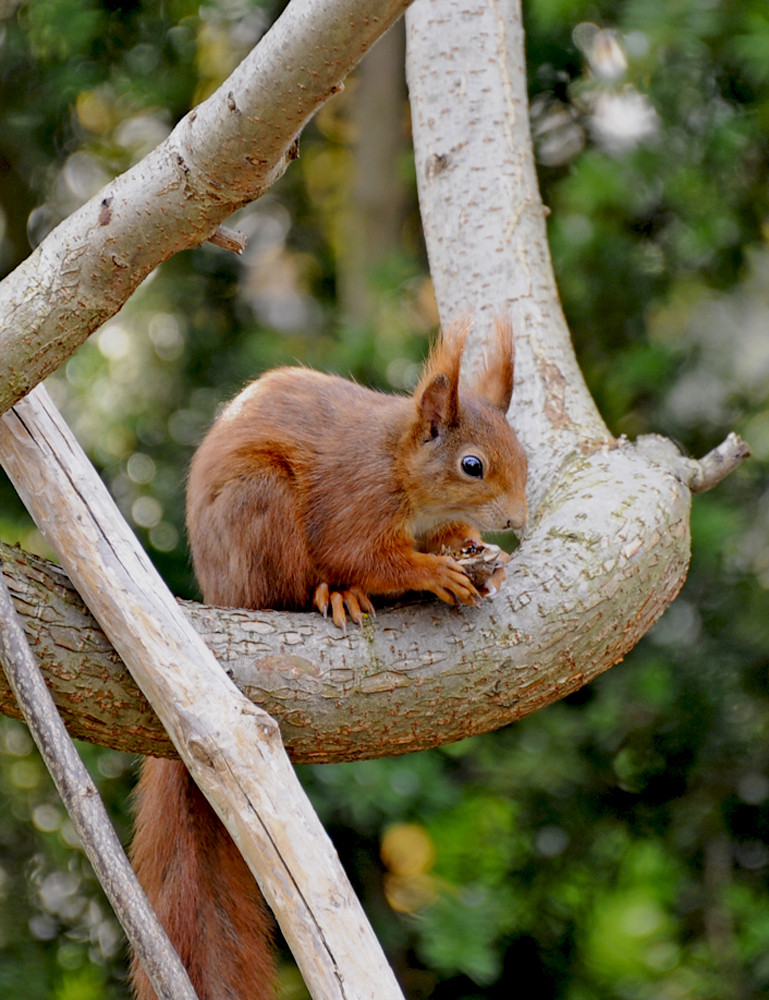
(354, 600)
(449, 581)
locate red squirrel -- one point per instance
(310, 490)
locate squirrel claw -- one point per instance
(321, 598)
(358, 603)
(353, 602)
(353, 607)
(337, 610)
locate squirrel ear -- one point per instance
(437, 393)
(493, 379)
(437, 406)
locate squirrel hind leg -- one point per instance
(249, 544)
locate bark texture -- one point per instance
(221, 156)
(232, 749)
(589, 581)
(86, 810)
(484, 220)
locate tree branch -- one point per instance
(221, 156)
(231, 748)
(228, 239)
(86, 810)
(484, 220)
(700, 475)
(581, 591)
(484, 668)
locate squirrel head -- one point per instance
(463, 460)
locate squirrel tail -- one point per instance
(201, 889)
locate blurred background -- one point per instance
(614, 846)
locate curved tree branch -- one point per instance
(484, 220)
(607, 547)
(423, 674)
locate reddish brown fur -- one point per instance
(309, 483)
(201, 889)
(309, 479)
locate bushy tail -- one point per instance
(201, 889)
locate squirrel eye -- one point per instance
(472, 466)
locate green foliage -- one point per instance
(615, 845)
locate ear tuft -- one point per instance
(493, 378)
(437, 393)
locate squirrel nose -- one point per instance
(517, 517)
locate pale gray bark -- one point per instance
(86, 810)
(423, 674)
(606, 549)
(232, 748)
(484, 220)
(222, 155)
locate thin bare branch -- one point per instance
(698, 475)
(86, 810)
(718, 463)
(229, 239)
